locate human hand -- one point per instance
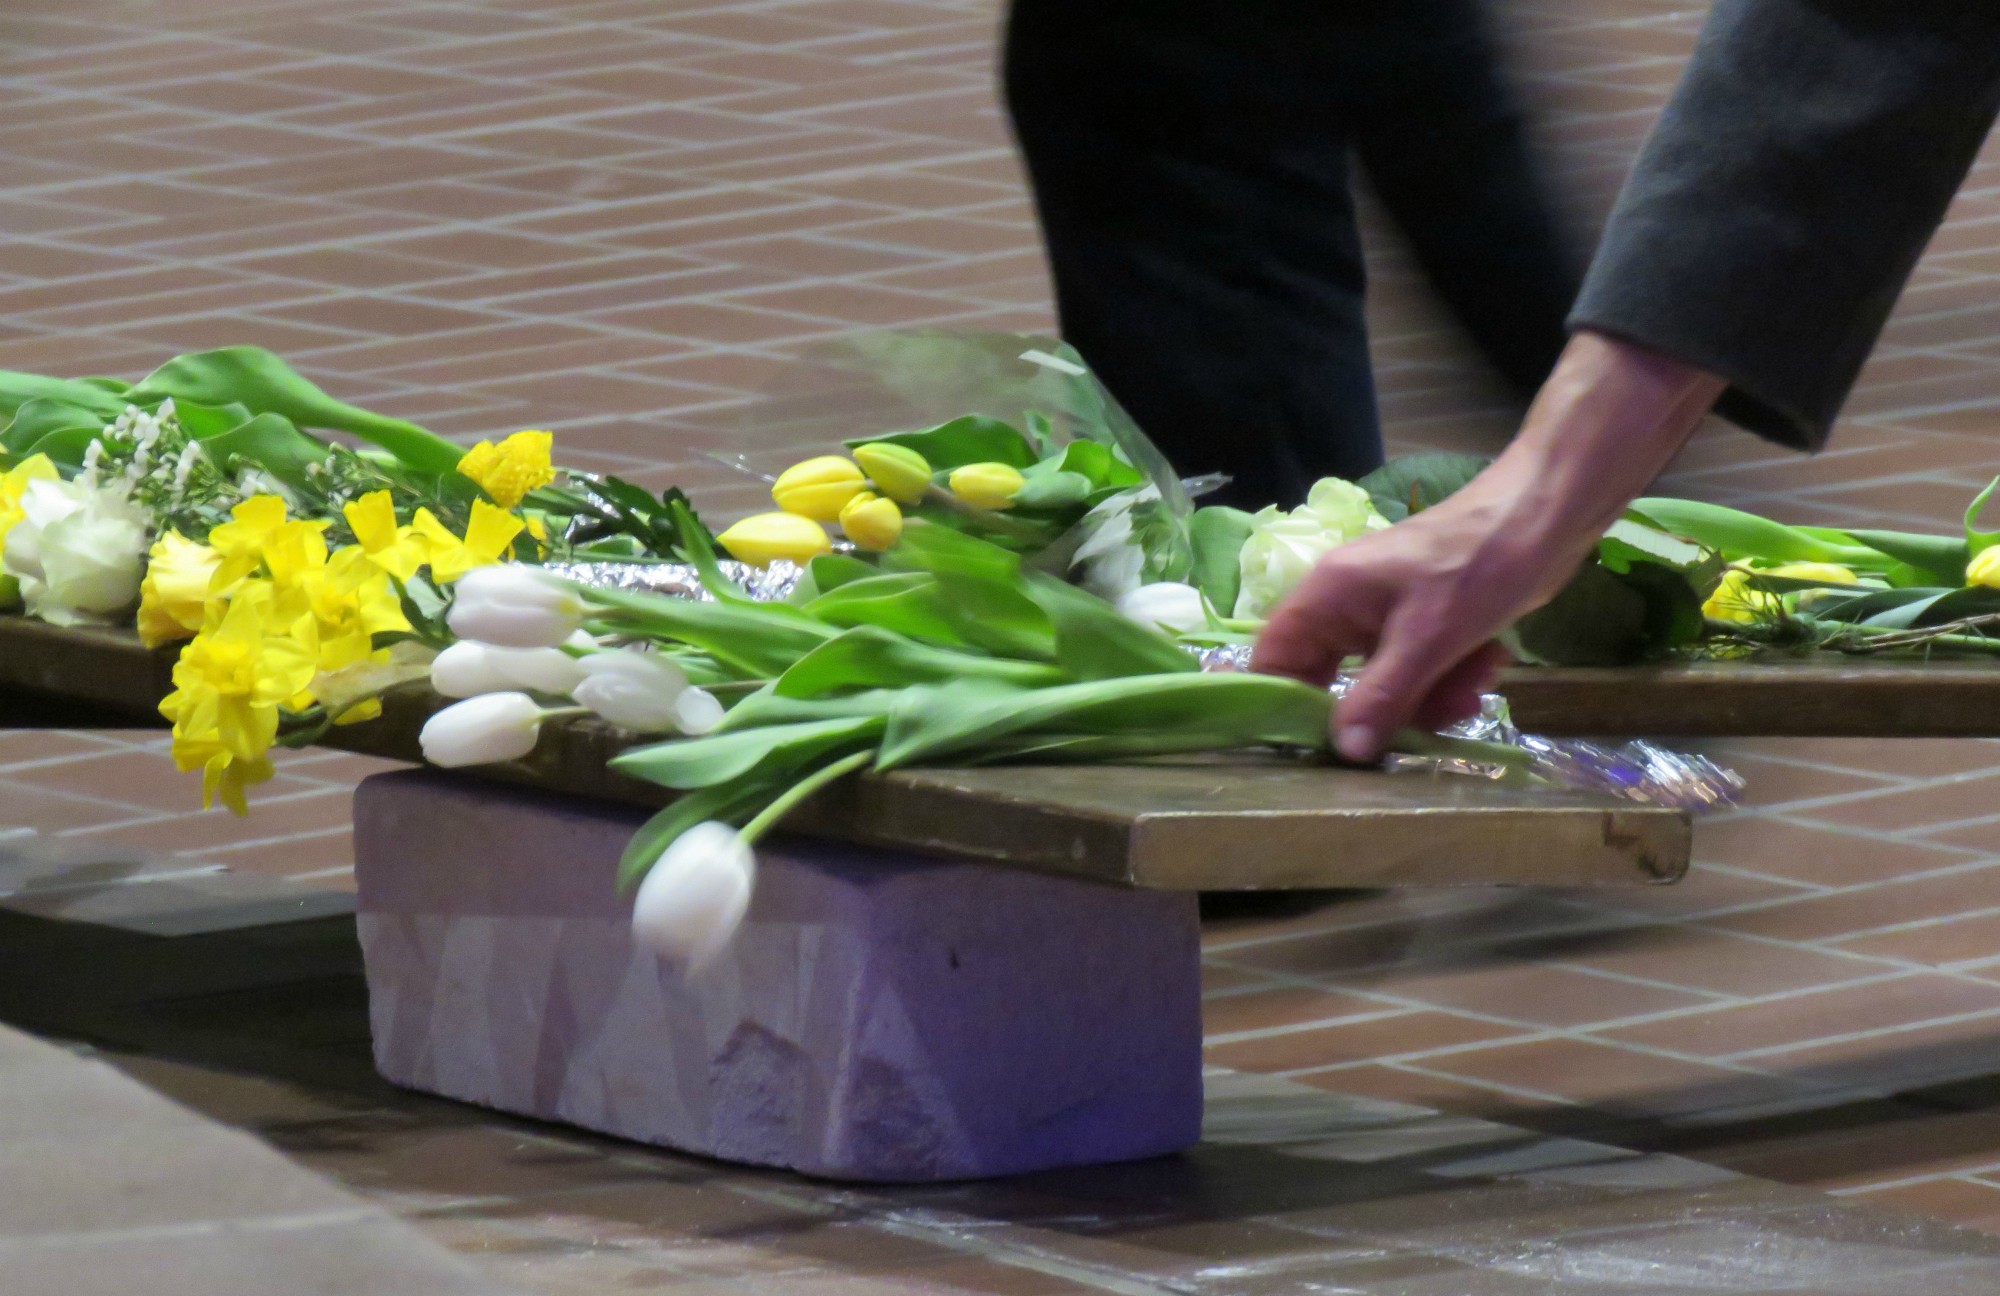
(1423, 600)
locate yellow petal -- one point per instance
(872, 522)
(769, 537)
(987, 485)
(818, 488)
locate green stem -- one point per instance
(985, 517)
(802, 789)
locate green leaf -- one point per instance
(1216, 534)
(1051, 492)
(35, 419)
(1937, 560)
(1735, 534)
(768, 707)
(1629, 542)
(871, 657)
(974, 438)
(204, 421)
(65, 446)
(83, 395)
(769, 752)
(830, 571)
(273, 444)
(1594, 620)
(758, 641)
(930, 723)
(1423, 480)
(1096, 641)
(260, 381)
(1867, 604)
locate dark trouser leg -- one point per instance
(1201, 235)
(1445, 147)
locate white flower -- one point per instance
(514, 606)
(78, 552)
(632, 690)
(697, 711)
(1112, 559)
(1283, 547)
(1167, 605)
(469, 668)
(482, 730)
(693, 899)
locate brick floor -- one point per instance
(616, 218)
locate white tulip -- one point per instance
(696, 712)
(482, 730)
(635, 691)
(514, 606)
(693, 899)
(1167, 605)
(469, 668)
(78, 552)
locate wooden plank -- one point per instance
(1245, 822)
(1824, 696)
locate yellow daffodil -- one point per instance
(897, 471)
(294, 553)
(239, 543)
(508, 471)
(818, 488)
(228, 686)
(173, 599)
(872, 522)
(1984, 569)
(1736, 600)
(13, 483)
(488, 536)
(351, 602)
(987, 485)
(397, 550)
(769, 537)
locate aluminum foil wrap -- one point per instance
(679, 580)
(1636, 771)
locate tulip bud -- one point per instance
(1984, 569)
(872, 522)
(697, 712)
(818, 488)
(897, 471)
(1166, 605)
(514, 606)
(771, 537)
(632, 690)
(987, 485)
(482, 730)
(694, 897)
(469, 668)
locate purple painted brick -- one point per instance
(881, 1016)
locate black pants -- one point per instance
(1190, 163)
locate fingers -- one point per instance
(1455, 697)
(1420, 646)
(1334, 614)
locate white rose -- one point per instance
(1167, 605)
(78, 552)
(1283, 547)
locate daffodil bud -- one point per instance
(482, 730)
(770, 537)
(632, 690)
(897, 471)
(1166, 605)
(693, 899)
(1984, 569)
(872, 522)
(818, 488)
(513, 606)
(987, 485)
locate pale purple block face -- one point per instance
(881, 1016)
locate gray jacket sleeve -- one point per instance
(1782, 201)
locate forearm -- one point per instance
(1610, 418)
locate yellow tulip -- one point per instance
(508, 471)
(771, 537)
(173, 599)
(987, 485)
(897, 471)
(872, 522)
(1831, 573)
(1984, 569)
(818, 488)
